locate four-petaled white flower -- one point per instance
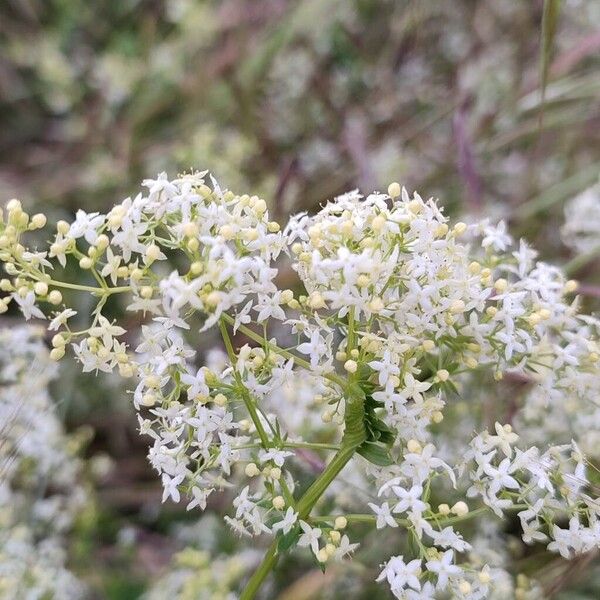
(444, 568)
(310, 537)
(384, 515)
(288, 521)
(401, 575)
(28, 306)
(386, 367)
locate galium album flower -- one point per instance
(396, 311)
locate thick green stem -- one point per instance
(354, 436)
(304, 506)
(316, 490)
(266, 566)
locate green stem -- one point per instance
(304, 506)
(264, 438)
(98, 291)
(277, 350)
(311, 445)
(300, 445)
(354, 436)
(443, 522)
(87, 288)
(266, 566)
(316, 490)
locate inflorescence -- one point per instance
(394, 313)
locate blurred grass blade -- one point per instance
(581, 260)
(559, 192)
(300, 19)
(549, 24)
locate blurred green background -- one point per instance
(296, 101)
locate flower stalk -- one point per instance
(304, 506)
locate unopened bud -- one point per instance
(394, 189)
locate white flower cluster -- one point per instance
(397, 309)
(543, 490)
(563, 402)
(581, 230)
(39, 489)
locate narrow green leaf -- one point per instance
(549, 25)
(285, 542)
(375, 453)
(558, 192)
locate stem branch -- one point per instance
(303, 507)
(285, 353)
(249, 403)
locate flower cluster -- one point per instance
(395, 312)
(39, 488)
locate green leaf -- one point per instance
(559, 192)
(375, 453)
(387, 438)
(380, 425)
(288, 540)
(363, 373)
(450, 387)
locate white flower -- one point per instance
(448, 538)
(28, 307)
(413, 388)
(315, 348)
(269, 306)
(310, 537)
(401, 575)
(344, 548)
(197, 384)
(275, 455)
(243, 503)
(199, 498)
(500, 476)
(288, 521)
(409, 500)
(444, 568)
(385, 367)
(496, 237)
(171, 486)
(86, 225)
(160, 185)
(567, 542)
(107, 331)
(419, 466)
(61, 319)
(384, 515)
(504, 439)
(113, 262)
